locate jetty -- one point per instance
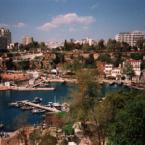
(3, 88)
(50, 109)
(32, 89)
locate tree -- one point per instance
(128, 70)
(113, 45)
(136, 56)
(117, 60)
(139, 43)
(83, 108)
(85, 95)
(105, 58)
(128, 127)
(101, 44)
(90, 62)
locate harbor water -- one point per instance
(13, 118)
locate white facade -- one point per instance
(88, 41)
(112, 72)
(136, 64)
(108, 69)
(130, 37)
(116, 72)
(27, 40)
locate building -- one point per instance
(130, 37)
(27, 40)
(136, 65)
(5, 38)
(108, 69)
(112, 72)
(88, 41)
(3, 42)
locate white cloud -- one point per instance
(67, 19)
(3, 25)
(20, 25)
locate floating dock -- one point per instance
(40, 106)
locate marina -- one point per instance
(32, 112)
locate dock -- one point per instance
(40, 106)
(32, 89)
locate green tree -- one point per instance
(105, 58)
(128, 127)
(113, 45)
(101, 44)
(128, 70)
(136, 56)
(90, 62)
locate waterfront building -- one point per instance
(136, 65)
(130, 37)
(27, 40)
(5, 38)
(108, 69)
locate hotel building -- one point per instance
(130, 37)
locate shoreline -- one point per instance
(5, 88)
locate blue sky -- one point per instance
(47, 20)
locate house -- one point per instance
(116, 73)
(136, 66)
(111, 72)
(108, 69)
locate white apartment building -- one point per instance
(27, 40)
(5, 37)
(130, 37)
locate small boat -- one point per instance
(38, 111)
(50, 104)
(37, 100)
(26, 107)
(14, 104)
(57, 106)
(1, 126)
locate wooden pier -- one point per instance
(40, 106)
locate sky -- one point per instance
(56, 20)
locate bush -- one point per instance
(68, 129)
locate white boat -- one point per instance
(38, 111)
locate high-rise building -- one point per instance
(5, 37)
(130, 37)
(3, 42)
(27, 40)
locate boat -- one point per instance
(38, 111)
(14, 104)
(1, 126)
(57, 106)
(50, 104)
(37, 100)
(26, 107)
